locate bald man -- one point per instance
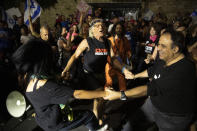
(44, 31)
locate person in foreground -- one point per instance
(34, 61)
(171, 91)
(97, 51)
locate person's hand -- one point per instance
(71, 31)
(128, 74)
(110, 94)
(83, 13)
(129, 67)
(147, 61)
(142, 44)
(65, 75)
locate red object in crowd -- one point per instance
(132, 21)
(59, 19)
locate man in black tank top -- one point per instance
(97, 50)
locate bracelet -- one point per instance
(123, 68)
(123, 96)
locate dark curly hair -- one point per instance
(113, 32)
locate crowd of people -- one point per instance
(92, 58)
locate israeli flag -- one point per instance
(31, 8)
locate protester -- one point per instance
(45, 94)
(17, 30)
(25, 36)
(96, 49)
(114, 20)
(121, 46)
(172, 83)
(84, 57)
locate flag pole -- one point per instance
(28, 5)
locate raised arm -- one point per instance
(81, 19)
(69, 42)
(63, 45)
(81, 48)
(32, 29)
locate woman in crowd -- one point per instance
(25, 36)
(75, 32)
(35, 61)
(151, 43)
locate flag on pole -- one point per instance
(31, 8)
(10, 13)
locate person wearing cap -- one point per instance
(97, 51)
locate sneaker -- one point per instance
(123, 97)
(104, 128)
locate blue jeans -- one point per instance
(165, 122)
(82, 117)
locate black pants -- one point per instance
(148, 114)
(93, 81)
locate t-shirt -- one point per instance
(46, 100)
(173, 88)
(95, 58)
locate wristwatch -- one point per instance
(123, 96)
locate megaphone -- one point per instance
(16, 104)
